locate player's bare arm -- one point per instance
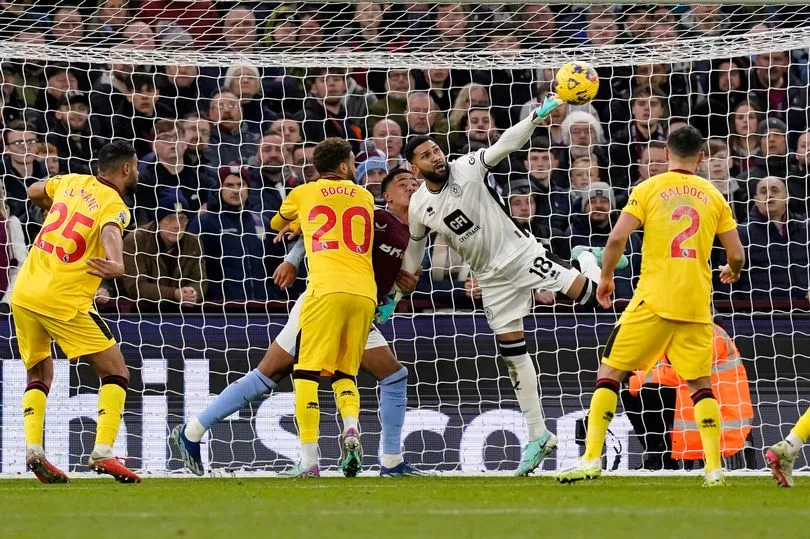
(38, 195)
(614, 249)
(735, 254)
(112, 266)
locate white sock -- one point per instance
(102, 451)
(524, 380)
(350, 423)
(194, 430)
(392, 461)
(309, 455)
(589, 266)
(794, 443)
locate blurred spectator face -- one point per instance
(663, 32)
(770, 68)
(718, 166)
(675, 125)
(330, 88)
(522, 208)
(225, 110)
(648, 110)
(479, 125)
(61, 82)
(182, 76)
(245, 83)
(653, 161)
(706, 17)
(387, 136)
(171, 227)
(288, 130)
(49, 156)
(73, 116)
(170, 146)
(234, 191)
(21, 146)
(652, 75)
(373, 180)
(774, 143)
(479, 96)
(508, 42)
(637, 24)
(803, 149)
(285, 34)
(398, 83)
(451, 19)
(728, 77)
(144, 99)
(539, 164)
(582, 174)
(68, 27)
(599, 210)
(602, 30)
(771, 198)
(112, 13)
(310, 32)
(400, 190)
(303, 162)
(746, 120)
(272, 155)
(29, 36)
(436, 77)
(197, 133)
(368, 15)
(583, 134)
(239, 29)
(420, 114)
(139, 35)
(538, 19)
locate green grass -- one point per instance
(653, 508)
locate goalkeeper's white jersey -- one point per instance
(470, 216)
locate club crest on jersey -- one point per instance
(122, 218)
(430, 211)
(488, 314)
(456, 191)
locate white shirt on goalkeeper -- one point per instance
(470, 215)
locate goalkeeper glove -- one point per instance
(551, 102)
(386, 307)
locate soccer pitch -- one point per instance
(428, 507)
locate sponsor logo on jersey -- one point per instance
(382, 227)
(393, 251)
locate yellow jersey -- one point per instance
(681, 214)
(54, 281)
(337, 226)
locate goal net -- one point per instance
(209, 92)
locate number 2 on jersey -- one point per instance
(675, 249)
(69, 232)
(346, 220)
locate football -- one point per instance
(576, 83)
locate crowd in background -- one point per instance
(220, 148)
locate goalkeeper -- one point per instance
(390, 240)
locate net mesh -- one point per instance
(206, 91)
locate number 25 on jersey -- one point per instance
(71, 232)
(319, 243)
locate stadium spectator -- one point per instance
(139, 35)
(592, 227)
(232, 238)
(67, 27)
(20, 168)
(59, 80)
(370, 173)
(166, 170)
(601, 28)
(135, 118)
(648, 109)
(271, 176)
(179, 89)
(508, 88)
(705, 20)
(107, 95)
(162, 261)
(441, 84)
(477, 127)
(653, 160)
(776, 242)
(744, 138)
(12, 94)
(452, 25)
(197, 136)
(394, 101)
(289, 131)
(72, 136)
(773, 154)
(780, 92)
(245, 83)
(109, 21)
(231, 139)
(48, 155)
(13, 251)
(523, 207)
(728, 86)
(421, 118)
(663, 24)
(324, 113)
(552, 206)
(537, 28)
(199, 17)
(584, 171)
(310, 32)
(385, 142)
(799, 176)
(635, 23)
(302, 157)
(718, 168)
(470, 95)
(365, 32)
(238, 29)
(582, 136)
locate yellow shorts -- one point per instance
(332, 332)
(641, 337)
(85, 333)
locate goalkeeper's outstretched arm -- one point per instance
(514, 138)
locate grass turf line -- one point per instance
(653, 508)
